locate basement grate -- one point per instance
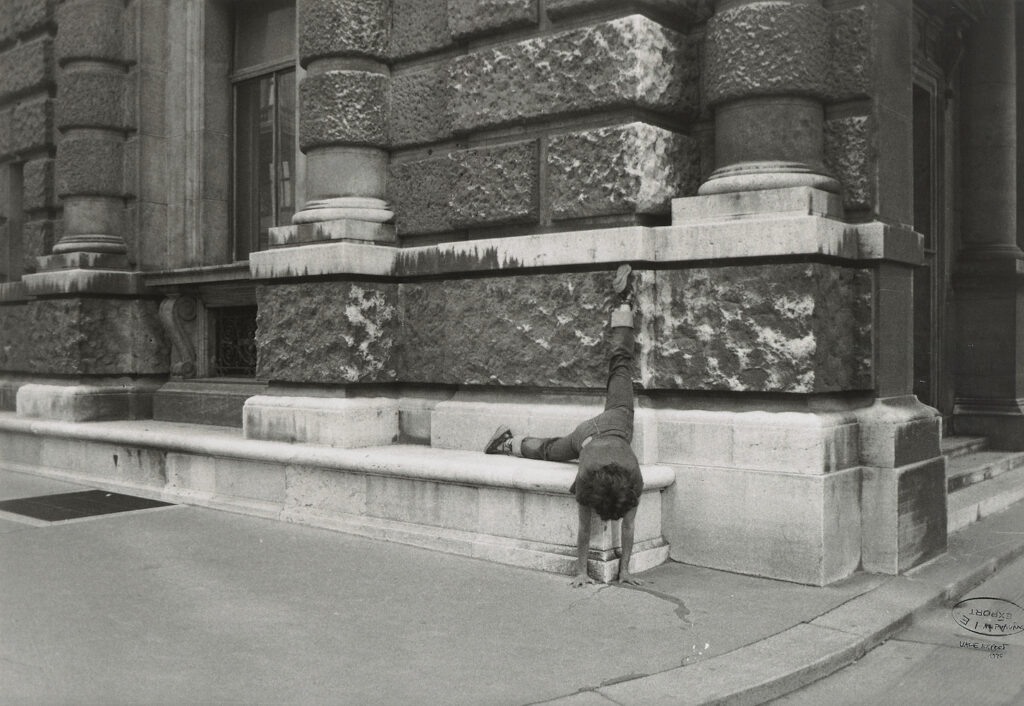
(71, 506)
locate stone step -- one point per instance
(980, 466)
(973, 502)
(954, 446)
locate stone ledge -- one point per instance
(80, 281)
(408, 461)
(777, 236)
(500, 509)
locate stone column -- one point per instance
(343, 109)
(990, 270)
(765, 73)
(91, 120)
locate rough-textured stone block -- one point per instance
(90, 100)
(343, 28)
(419, 107)
(343, 108)
(32, 125)
(90, 29)
(333, 332)
(37, 182)
(483, 186)
(472, 17)
(87, 166)
(420, 192)
(636, 168)
(38, 238)
(628, 62)
(83, 336)
(850, 54)
(418, 26)
(26, 67)
(545, 330)
(685, 10)
(6, 118)
(495, 185)
(766, 48)
(848, 157)
(769, 328)
(29, 15)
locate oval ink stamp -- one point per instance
(985, 615)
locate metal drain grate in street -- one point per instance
(71, 506)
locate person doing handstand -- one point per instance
(608, 480)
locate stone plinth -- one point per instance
(346, 423)
(86, 403)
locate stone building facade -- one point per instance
(300, 258)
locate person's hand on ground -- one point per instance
(581, 580)
(627, 579)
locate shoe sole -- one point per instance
(499, 434)
(622, 279)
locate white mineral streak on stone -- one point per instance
(542, 343)
(563, 319)
(795, 308)
(586, 340)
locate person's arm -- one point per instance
(627, 549)
(582, 547)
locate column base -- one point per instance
(758, 176)
(350, 208)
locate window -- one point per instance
(264, 89)
(234, 341)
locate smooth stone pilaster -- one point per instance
(766, 71)
(988, 279)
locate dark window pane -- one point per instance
(264, 33)
(286, 147)
(234, 336)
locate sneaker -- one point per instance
(501, 442)
(623, 283)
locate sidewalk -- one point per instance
(188, 605)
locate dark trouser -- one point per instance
(617, 417)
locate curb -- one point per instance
(809, 651)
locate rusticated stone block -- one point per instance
(343, 108)
(477, 187)
(15, 353)
(419, 107)
(524, 330)
(90, 100)
(32, 125)
(38, 238)
(472, 17)
(686, 10)
(765, 49)
(418, 26)
(848, 157)
(37, 182)
(327, 332)
(90, 30)
(5, 131)
(84, 336)
(627, 62)
(420, 192)
(495, 185)
(343, 28)
(6, 23)
(88, 166)
(26, 67)
(796, 328)
(635, 168)
(29, 15)
(850, 54)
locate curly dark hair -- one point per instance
(608, 490)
